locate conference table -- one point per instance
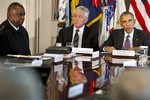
(71, 79)
(61, 85)
(24, 64)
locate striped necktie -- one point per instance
(127, 43)
(76, 39)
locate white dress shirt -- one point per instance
(130, 38)
(80, 33)
(16, 28)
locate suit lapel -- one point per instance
(84, 36)
(135, 38)
(70, 34)
(121, 38)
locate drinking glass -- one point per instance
(143, 50)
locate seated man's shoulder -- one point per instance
(91, 30)
(141, 32)
(117, 30)
(89, 27)
(3, 26)
(22, 28)
(66, 28)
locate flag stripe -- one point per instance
(142, 10)
(95, 20)
(139, 16)
(147, 6)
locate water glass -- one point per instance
(143, 60)
(143, 50)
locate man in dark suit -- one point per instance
(14, 37)
(117, 39)
(88, 38)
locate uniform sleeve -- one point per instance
(59, 38)
(3, 44)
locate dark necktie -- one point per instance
(127, 43)
(76, 39)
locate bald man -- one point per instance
(14, 38)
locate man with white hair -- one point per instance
(79, 34)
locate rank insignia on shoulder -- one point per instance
(2, 28)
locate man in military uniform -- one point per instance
(14, 38)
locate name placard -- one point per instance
(82, 50)
(130, 63)
(57, 57)
(123, 53)
(75, 90)
(120, 60)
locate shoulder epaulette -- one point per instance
(2, 27)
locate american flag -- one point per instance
(140, 9)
